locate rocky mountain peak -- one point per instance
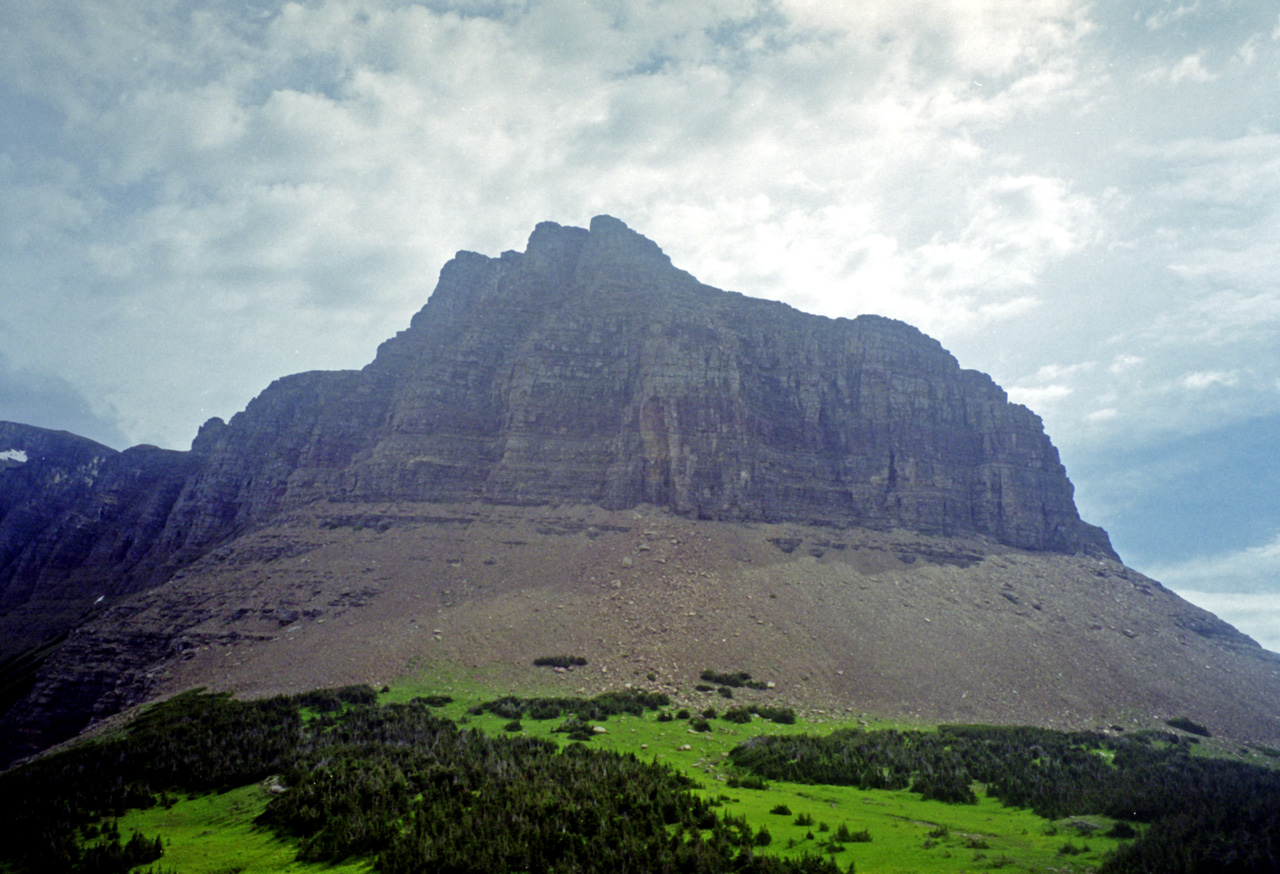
(588, 369)
(507, 441)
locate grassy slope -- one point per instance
(215, 834)
(900, 823)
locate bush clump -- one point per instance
(734, 680)
(432, 700)
(844, 836)
(1188, 726)
(632, 701)
(560, 661)
(780, 715)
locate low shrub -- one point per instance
(735, 680)
(508, 707)
(560, 661)
(844, 836)
(780, 715)
(543, 710)
(1122, 831)
(432, 700)
(575, 728)
(1187, 725)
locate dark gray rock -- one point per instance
(590, 370)
(587, 369)
(79, 526)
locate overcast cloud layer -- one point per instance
(1081, 199)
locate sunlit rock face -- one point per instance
(588, 369)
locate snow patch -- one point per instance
(16, 455)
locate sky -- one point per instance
(1080, 199)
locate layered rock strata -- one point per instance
(589, 370)
(585, 370)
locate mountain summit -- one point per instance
(589, 370)
(585, 372)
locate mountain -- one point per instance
(581, 446)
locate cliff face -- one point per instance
(585, 370)
(79, 523)
(589, 370)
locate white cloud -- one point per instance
(1191, 68)
(1039, 398)
(1052, 372)
(1166, 17)
(1257, 615)
(1248, 53)
(1124, 362)
(1255, 569)
(1017, 226)
(1207, 379)
(986, 37)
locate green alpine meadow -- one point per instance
(409, 780)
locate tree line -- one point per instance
(1201, 814)
(408, 790)
(395, 784)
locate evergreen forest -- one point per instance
(408, 790)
